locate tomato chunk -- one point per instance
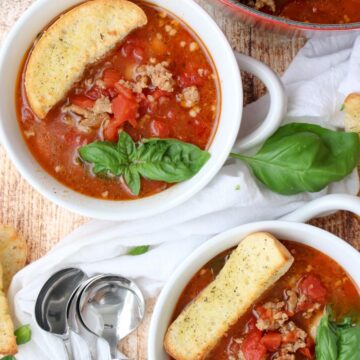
(306, 352)
(82, 101)
(124, 110)
(111, 77)
(252, 348)
(312, 287)
(271, 341)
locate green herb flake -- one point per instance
(237, 187)
(139, 250)
(342, 107)
(23, 334)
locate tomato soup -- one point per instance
(312, 11)
(173, 94)
(281, 324)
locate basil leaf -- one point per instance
(166, 160)
(23, 334)
(326, 339)
(126, 146)
(349, 343)
(304, 157)
(169, 160)
(345, 323)
(139, 250)
(132, 179)
(104, 156)
(8, 357)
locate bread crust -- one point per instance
(352, 112)
(7, 338)
(79, 37)
(253, 267)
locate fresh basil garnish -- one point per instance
(349, 342)
(304, 157)
(166, 160)
(326, 339)
(139, 250)
(337, 341)
(23, 334)
(8, 357)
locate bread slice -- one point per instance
(352, 113)
(79, 37)
(13, 253)
(7, 338)
(256, 264)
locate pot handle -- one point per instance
(322, 206)
(277, 108)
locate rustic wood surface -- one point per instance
(43, 224)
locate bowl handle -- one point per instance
(277, 102)
(324, 206)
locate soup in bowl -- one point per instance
(266, 290)
(124, 109)
(299, 17)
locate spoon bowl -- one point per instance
(111, 307)
(52, 304)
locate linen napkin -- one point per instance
(317, 81)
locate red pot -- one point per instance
(277, 24)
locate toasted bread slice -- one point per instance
(7, 338)
(78, 38)
(13, 253)
(257, 263)
(352, 112)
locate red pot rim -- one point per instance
(276, 20)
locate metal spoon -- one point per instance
(111, 307)
(53, 301)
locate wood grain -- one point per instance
(43, 224)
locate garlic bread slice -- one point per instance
(79, 37)
(254, 266)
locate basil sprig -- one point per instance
(304, 158)
(337, 341)
(166, 160)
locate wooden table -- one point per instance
(43, 224)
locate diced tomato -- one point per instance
(306, 352)
(271, 341)
(82, 101)
(252, 348)
(312, 287)
(124, 110)
(123, 90)
(111, 77)
(159, 129)
(263, 313)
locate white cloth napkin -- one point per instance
(317, 81)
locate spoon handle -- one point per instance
(68, 349)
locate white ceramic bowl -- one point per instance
(289, 228)
(22, 36)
